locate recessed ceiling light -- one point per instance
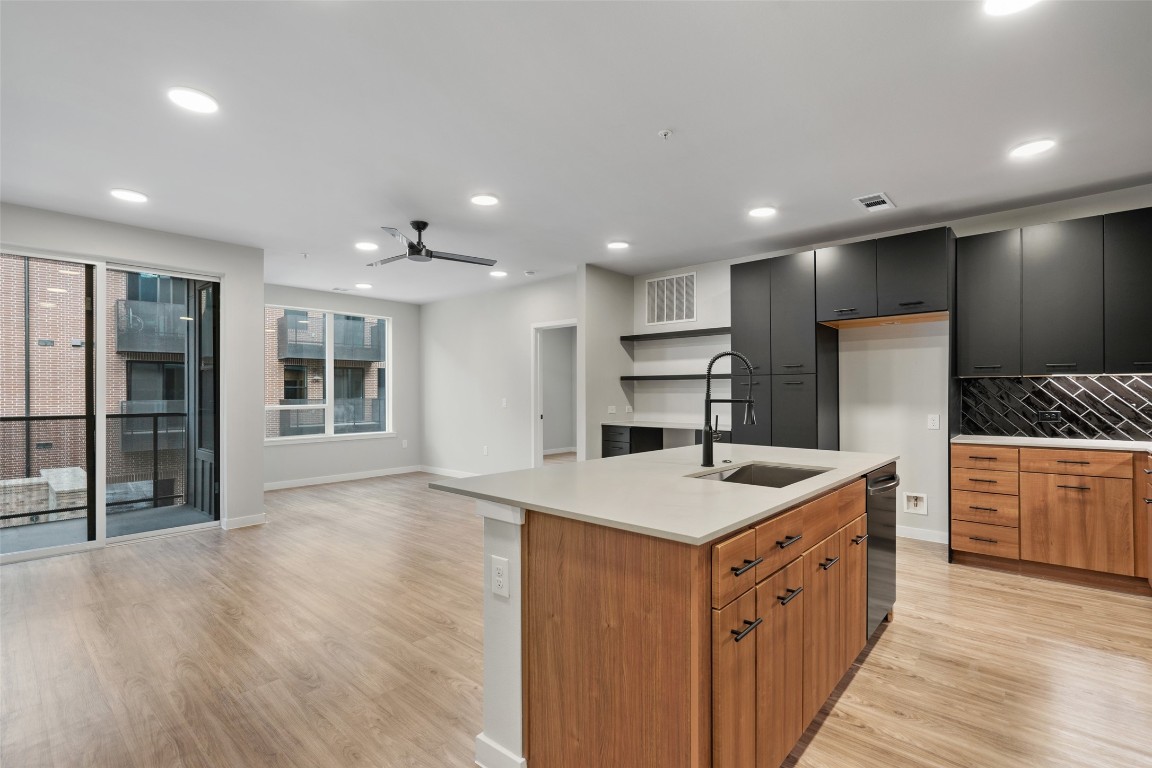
(129, 195)
(70, 272)
(762, 213)
(498, 273)
(1032, 148)
(618, 245)
(56, 290)
(485, 199)
(193, 100)
(185, 317)
(1005, 7)
(47, 304)
(366, 246)
(363, 286)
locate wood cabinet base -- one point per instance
(1110, 581)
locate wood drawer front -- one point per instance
(988, 508)
(986, 457)
(1093, 463)
(985, 481)
(733, 569)
(984, 539)
(780, 541)
(1077, 521)
(850, 503)
(821, 519)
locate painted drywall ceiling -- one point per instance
(339, 117)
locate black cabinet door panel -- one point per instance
(987, 312)
(912, 272)
(794, 313)
(794, 413)
(759, 433)
(846, 281)
(1128, 292)
(752, 313)
(1063, 297)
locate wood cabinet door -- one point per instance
(779, 665)
(1077, 521)
(987, 312)
(1127, 282)
(854, 595)
(734, 641)
(752, 313)
(1063, 297)
(846, 281)
(822, 635)
(912, 272)
(794, 313)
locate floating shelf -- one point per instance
(678, 377)
(677, 335)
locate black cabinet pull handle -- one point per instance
(985, 509)
(829, 562)
(788, 541)
(1069, 461)
(785, 599)
(1060, 365)
(910, 303)
(743, 633)
(986, 367)
(740, 570)
(755, 367)
(1142, 362)
(978, 480)
(986, 541)
(793, 383)
(1076, 487)
(1148, 501)
(1148, 471)
(985, 458)
(846, 309)
(801, 365)
(860, 539)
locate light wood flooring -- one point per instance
(347, 632)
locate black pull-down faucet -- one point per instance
(749, 403)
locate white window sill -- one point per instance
(327, 438)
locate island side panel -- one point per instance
(617, 648)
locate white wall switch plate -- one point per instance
(611, 409)
(915, 503)
(503, 402)
(403, 443)
(933, 421)
(484, 450)
(500, 576)
(627, 409)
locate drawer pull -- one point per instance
(740, 570)
(978, 480)
(793, 383)
(829, 562)
(985, 458)
(986, 541)
(1076, 487)
(910, 303)
(1148, 471)
(1060, 365)
(788, 541)
(986, 367)
(984, 509)
(743, 633)
(792, 365)
(1148, 501)
(846, 309)
(1142, 362)
(860, 539)
(1069, 461)
(785, 599)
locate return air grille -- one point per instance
(671, 299)
(876, 202)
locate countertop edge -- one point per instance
(1072, 443)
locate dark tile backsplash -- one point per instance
(1092, 407)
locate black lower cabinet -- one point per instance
(619, 440)
(794, 411)
(759, 433)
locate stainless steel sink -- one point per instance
(766, 475)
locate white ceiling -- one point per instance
(340, 117)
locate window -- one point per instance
(162, 289)
(303, 350)
(155, 381)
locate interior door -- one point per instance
(204, 397)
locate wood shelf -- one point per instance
(678, 334)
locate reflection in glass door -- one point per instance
(153, 397)
(47, 404)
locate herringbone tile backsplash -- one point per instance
(1094, 407)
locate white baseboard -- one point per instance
(489, 754)
(324, 479)
(243, 522)
(550, 451)
(922, 534)
(446, 472)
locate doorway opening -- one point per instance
(554, 392)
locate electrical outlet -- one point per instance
(627, 409)
(500, 576)
(916, 503)
(484, 450)
(1049, 417)
(611, 409)
(403, 443)
(933, 421)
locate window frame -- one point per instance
(329, 406)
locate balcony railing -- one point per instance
(351, 415)
(303, 338)
(152, 431)
(147, 326)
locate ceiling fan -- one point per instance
(417, 251)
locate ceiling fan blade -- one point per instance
(396, 234)
(458, 257)
(387, 260)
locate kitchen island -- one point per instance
(610, 586)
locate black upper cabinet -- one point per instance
(846, 281)
(1128, 292)
(752, 313)
(912, 272)
(794, 313)
(987, 315)
(1063, 297)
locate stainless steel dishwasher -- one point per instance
(882, 484)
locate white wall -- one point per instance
(332, 459)
(476, 354)
(241, 270)
(558, 387)
(604, 307)
(891, 378)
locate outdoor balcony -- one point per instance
(303, 338)
(148, 326)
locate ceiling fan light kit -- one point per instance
(417, 251)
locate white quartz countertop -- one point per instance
(1057, 442)
(659, 494)
(656, 424)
